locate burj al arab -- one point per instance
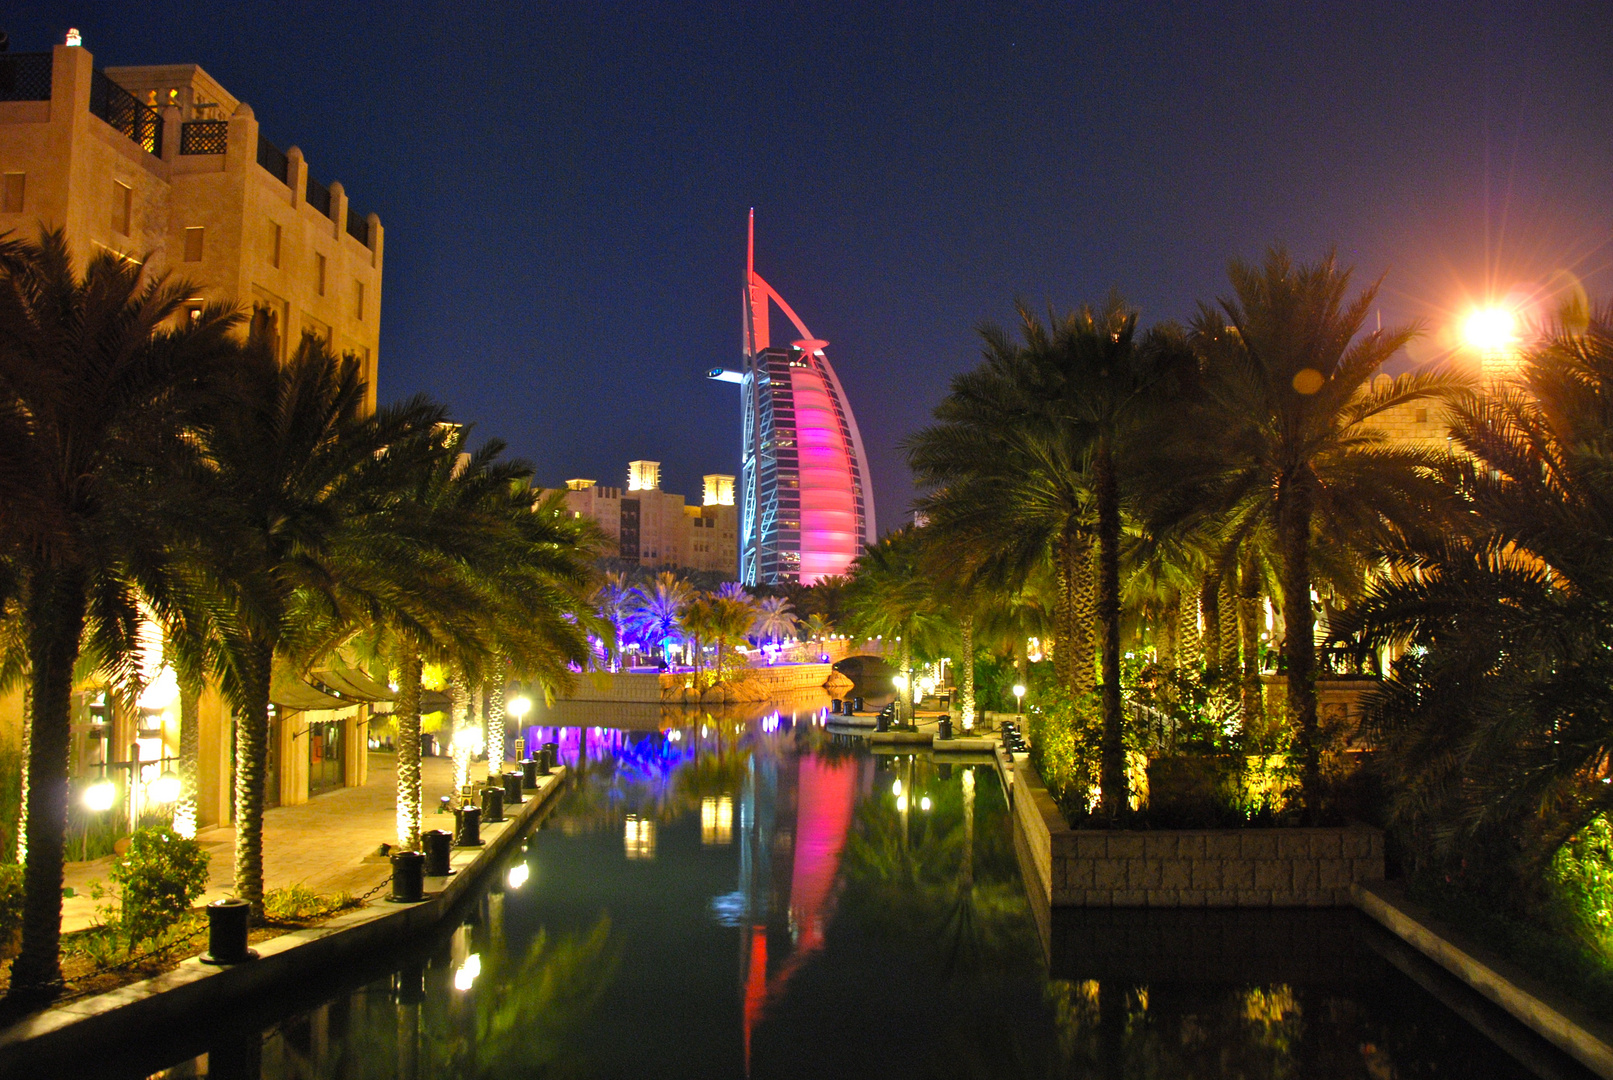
(807, 503)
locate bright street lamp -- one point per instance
(164, 789)
(100, 796)
(519, 706)
(1019, 696)
(1492, 331)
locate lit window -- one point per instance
(193, 243)
(1422, 416)
(122, 207)
(12, 195)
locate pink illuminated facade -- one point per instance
(807, 504)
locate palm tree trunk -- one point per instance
(251, 774)
(1083, 615)
(1165, 637)
(27, 743)
(496, 723)
(56, 618)
(1115, 795)
(1227, 607)
(1064, 573)
(410, 805)
(1249, 631)
(1210, 606)
(1299, 648)
(186, 811)
(1189, 644)
(966, 672)
(907, 675)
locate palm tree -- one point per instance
(657, 617)
(1495, 724)
(1083, 387)
(96, 381)
(890, 596)
(616, 601)
(1286, 438)
(775, 620)
(314, 534)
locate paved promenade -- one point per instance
(328, 843)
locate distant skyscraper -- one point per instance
(807, 505)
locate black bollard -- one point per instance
(554, 754)
(946, 727)
(512, 789)
(227, 922)
(545, 762)
(834, 706)
(857, 704)
(492, 804)
(408, 877)
(529, 773)
(469, 822)
(437, 845)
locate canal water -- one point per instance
(757, 895)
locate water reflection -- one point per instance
(743, 893)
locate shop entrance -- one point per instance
(325, 751)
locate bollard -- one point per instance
(529, 773)
(946, 727)
(544, 762)
(857, 703)
(492, 805)
(469, 823)
(226, 932)
(834, 706)
(554, 754)
(408, 877)
(436, 845)
(512, 789)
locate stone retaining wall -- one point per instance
(1190, 867)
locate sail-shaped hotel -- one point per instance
(807, 505)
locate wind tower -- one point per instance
(806, 501)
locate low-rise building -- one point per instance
(656, 528)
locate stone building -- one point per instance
(164, 165)
(655, 528)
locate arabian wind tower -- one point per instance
(807, 505)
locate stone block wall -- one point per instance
(1177, 868)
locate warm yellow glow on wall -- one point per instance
(717, 820)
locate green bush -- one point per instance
(10, 799)
(10, 901)
(159, 879)
(299, 903)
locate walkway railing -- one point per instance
(119, 108)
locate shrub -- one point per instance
(160, 879)
(299, 903)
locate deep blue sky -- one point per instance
(564, 185)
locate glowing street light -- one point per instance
(924, 804)
(100, 796)
(164, 789)
(1492, 331)
(519, 706)
(1019, 696)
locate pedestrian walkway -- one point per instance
(330, 843)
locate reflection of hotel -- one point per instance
(808, 502)
(654, 528)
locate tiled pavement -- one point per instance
(328, 843)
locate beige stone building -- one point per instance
(656, 528)
(164, 165)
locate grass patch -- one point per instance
(297, 904)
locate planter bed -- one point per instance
(1172, 868)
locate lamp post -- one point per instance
(1019, 697)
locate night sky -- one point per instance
(564, 185)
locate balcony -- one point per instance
(25, 76)
(120, 109)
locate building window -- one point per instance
(358, 300)
(193, 243)
(319, 274)
(122, 207)
(274, 244)
(13, 192)
(1422, 416)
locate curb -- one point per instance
(1538, 1006)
